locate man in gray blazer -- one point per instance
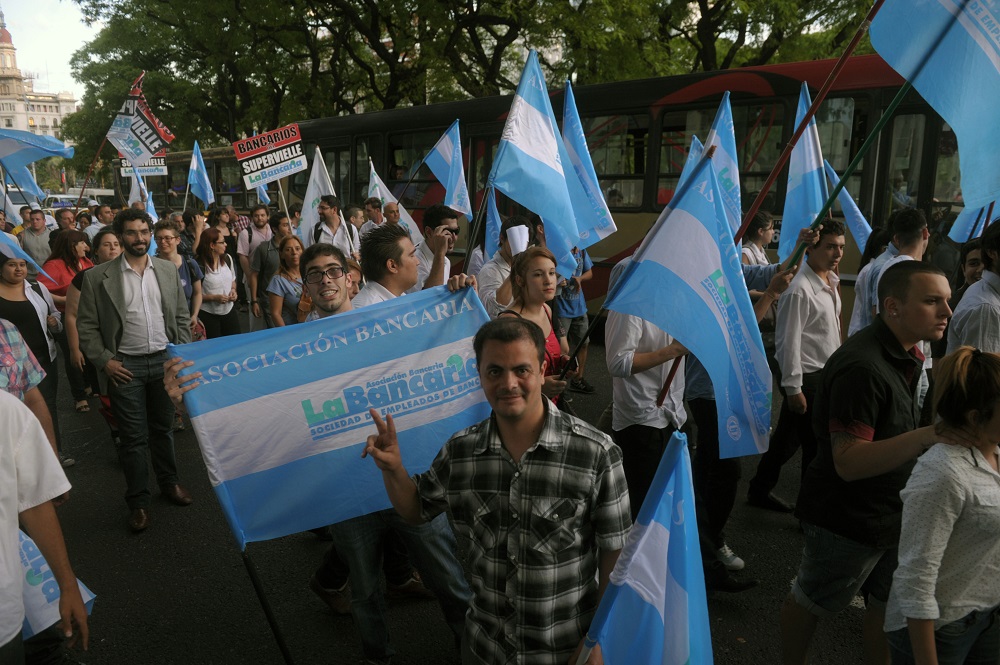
(130, 308)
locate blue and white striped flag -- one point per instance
(593, 218)
(961, 78)
(493, 224)
(445, 162)
(262, 195)
(655, 610)
(856, 222)
(11, 248)
(726, 163)
(969, 224)
(198, 179)
(807, 190)
(686, 279)
(695, 151)
(281, 415)
(531, 162)
(18, 149)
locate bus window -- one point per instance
(905, 156)
(406, 151)
(617, 145)
(675, 140)
(484, 149)
(337, 160)
(759, 132)
(365, 147)
(839, 121)
(177, 178)
(947, 183)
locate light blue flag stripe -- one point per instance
(493, 225)
(856, 222)
(531, 163)
(726, 163)
(593, 218)
(280, 414)
(807, 190)
(961, 78)
(20, 176)
(695, 151)
(655, 609)
(445, 162)
(13, 249)
(263, 195)
(968, 225)
(201, 185)
(19, 148)
(686, 279)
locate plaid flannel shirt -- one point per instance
(529, 533)
(19, 369)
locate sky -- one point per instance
(45, 34)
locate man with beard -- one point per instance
(130, 309)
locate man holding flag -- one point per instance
(537, 499)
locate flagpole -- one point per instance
(477, 221)
(266, 606)
(986, 220)
(90, 171)
(186, 192)
(284, 203)
(800, 130)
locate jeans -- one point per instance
(432, 551)
(972, 640)
(145, 418)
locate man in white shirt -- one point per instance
(390, 265)
(373, 214)
(30, 477)
(247, 242)
(807, 332)
(977, 317)
(494, 277)
(440, 233)
(102, 218)
(334, 230)
(130, 309)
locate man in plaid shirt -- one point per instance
(538, 503)
(21, 374)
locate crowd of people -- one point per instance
(519, 521)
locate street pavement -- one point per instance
(180, 592)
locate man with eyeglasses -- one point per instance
(332, 229)
(130, 309)
(440, 234)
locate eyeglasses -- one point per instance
(323, 207)
(453, 232)
(132, 233)
(163, 239)
(316, 276)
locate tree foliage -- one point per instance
(217, 71)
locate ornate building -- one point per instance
(20, 106)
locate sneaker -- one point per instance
(66, 461)
(582, 386)
(729, 559)
(338, 600)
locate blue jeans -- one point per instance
(972, 640)
(145, 418)
(432, 552)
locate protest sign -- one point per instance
(136, 132)
(157, 165)
(270, 156)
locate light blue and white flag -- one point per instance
(262, 195)
(686, 279)
(593, 218)
(493, 224)
(40, 591)
(695, 151)
(969, 224)
(655, 610)
(445, 162)
(856, 222)
(281, 415)
(807, 190)
(11, 248)
(531, 162)
(198, 179)
(18, 149)
(726, 163)
(378, 189)
(960, 41)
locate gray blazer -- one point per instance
(101, 317)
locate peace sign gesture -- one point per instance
(384, 447)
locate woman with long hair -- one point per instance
(218, 289)
(533, 285)
(68, 258)
(758, 236)
(285, 290)
(945, 595)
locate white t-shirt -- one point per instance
(30, 475)
(218, 282)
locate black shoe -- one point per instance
(717, 578)
(769, 502)
(582, 386)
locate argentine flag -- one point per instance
(969, 224)
(11, 248)
(727, 166)
(198, 179)
(807, 190)
(493, 225)
(531, 162)
(282, 415)
(654, 609)
(686, 279)
(856, 222)
(593, 218)
(695, 151)
(950, 51)
(378, 189)
(445, 162)
(19, 148)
